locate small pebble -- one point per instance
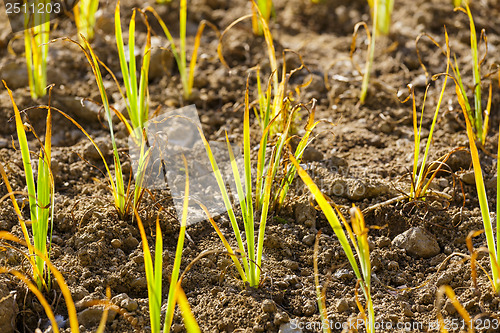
(268, 306)
(384, 241)
(342, 306)
(116, 243)
(308, 239)
(309, 309)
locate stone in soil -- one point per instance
(417, 242)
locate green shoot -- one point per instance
(265, 7)
(186, 73)
(41, 196)
(36, 39)
(358, 236)
(475, 115)
(384, 13)
(154, 274)
(117, 185)
(85, 17)
(136, 96)
(493, 245)
(381, 22)
(320, 294)
(420, 183)
(371, 51)
(267, 169)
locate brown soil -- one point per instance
(361, 155)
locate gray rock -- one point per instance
(417, 242)
(290, 327)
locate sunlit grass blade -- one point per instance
(359, 239)
(483, 200)
(169, 315)
(227, 204)
(384, 15)
(85, 13)
(118, 188)
(419, 186)
(36, 39)
(370, 53)
(70, 305)
(180, 55)
(228, 247)
(448, 291)
(187, 315)
(153, 273)
(40, 196)
(136, 95)
(320, 296)
(265, 7)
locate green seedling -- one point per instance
(137, 95)
(384, 12)
(251, 257)
(493, 242)
(272, 101)
(265, 8)
(422, 177)
(320, 293)
(381, 21)
(154, 274)
(85, 17)
(180, 55)
(478, 120)
(40, 196)
(358, 236)
(36, 39)
(120, 197)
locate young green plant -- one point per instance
(84, 13)
(478, 120)
(358, 236)
(265, 7)
(492, 242)
(40, 196)
(421, 178)
(137, 95)
(384, 12)
(251, 257)
(381, 11)
(180, 55)
(36, 45)
(120, 197)
(154, 274)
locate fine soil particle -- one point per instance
(361, 154)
